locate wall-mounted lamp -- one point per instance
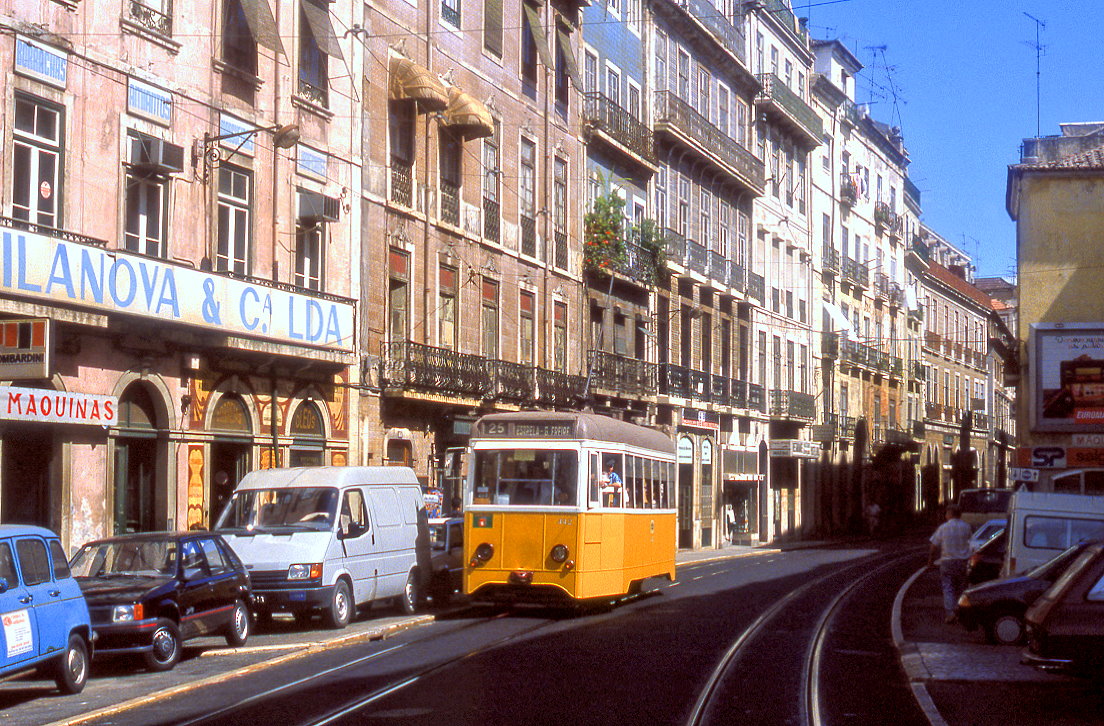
(286, 136)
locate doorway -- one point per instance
(28, 458)
(230, 461)
(135, 485)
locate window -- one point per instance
(449, 175)
(704, 97)
(147, 196)
(398, 292)
(527, 304)
(722, 110)
(742, 129)
(803, 368)
(660, 61)
(613, 85)
(36, 172)
(776, 381)
(314, 24)
(723, 231)
(401, 131)
(661, 197)
(239, 49)
(590, 71)
(634, 100)
(788, 78)
(492, 26)
(559, 333)
(492, 211)
(34, 564)
(528, 197)
(566, 67)
(61, 564)
(155, 15)
(310, 236)
(559, 210)
(683, 220)
(774, 60)
(450, 12)
(762, 358)
(528, 44)
(235, 212)
(683, 88)
(759, 61)
(489, 318)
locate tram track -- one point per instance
(809, 700)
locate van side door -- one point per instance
(358, 544)
(18, 628)
(392, 562)
(38, 578)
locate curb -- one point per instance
(734, 555)
(911, 660)
(371, 634)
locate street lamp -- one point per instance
(286, 136)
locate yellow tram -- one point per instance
(566, 506)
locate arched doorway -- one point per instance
(137, 506)
(231, 450)
(308, 445)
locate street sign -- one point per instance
(1021, 474)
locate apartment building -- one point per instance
(470, 236)
(870, 364)
(178, 217)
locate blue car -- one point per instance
(44, 622)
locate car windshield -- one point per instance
(297, 508)
(152, 558)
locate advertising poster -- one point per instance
(1069, 377)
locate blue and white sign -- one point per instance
(309, 161)
(40, 61)
(149, 101)
(229, 125)
(45, 268)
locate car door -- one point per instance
(358, 544)
(18, 628)
(223, 587)
(196, 590)
(71, 606)
(38, 577)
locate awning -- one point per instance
(318, 18)
(467, 116)
(532, 16)
(258, 15)
(840, 323)
(563, 37)
(410, 80)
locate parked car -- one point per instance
(327, 539)
(986, 532)
(999, 606)
(986, 563)
(147, 593)
(446, 542)
(44, 623)
(1065, 625)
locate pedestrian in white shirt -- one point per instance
(950, 547)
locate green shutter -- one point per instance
(492, 26)
(563, 35)
(532, 16)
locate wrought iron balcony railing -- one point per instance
(673, 115)
(450, 203)
(848, 190)
(918, 370)
(703, 15)
(778, 96)
(450, 14)
(555, 388)
(792, 405)
(511, 381)
(912, 191)
(602, 114)
(979, 420)
(316, 94)
(622, 375)
(402, 182)
(855, 272)
(559, 254)
(492, 220)
(159, 21)
(528, 236)
(686, 252)
(918, 430)
(409, 365)
(894, 435)
(829, 345)
(54, 232)
(886, 220)
(756, 286)
(830, 259)
(881, 285)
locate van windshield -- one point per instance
(293, 508)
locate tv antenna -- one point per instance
(1039, 25)
(891, 87)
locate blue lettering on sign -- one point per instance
(311, 161)
(113, 283)
(149, 101)
(60, 274)
(40, 61)
(89, 281)
(22, 263)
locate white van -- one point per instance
(327, 539)
(1042, 524)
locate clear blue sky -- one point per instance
(964, 73)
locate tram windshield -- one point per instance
(526, 477)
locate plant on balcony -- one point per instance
(603, 233)
(651, 239)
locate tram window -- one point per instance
(594, 479)
(613, 479)
(525, 477)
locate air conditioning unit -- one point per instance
(155, 156)
(315, 207)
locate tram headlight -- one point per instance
(559, 553)
(482, 554)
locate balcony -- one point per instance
(559, 254)
(777, 98)
(622, 376)
(528, 236)
(756, 287)
(979, 421)
(705, 19)
(781, 12)
(829, 345)
(639, 264)
(492, 220)
(680, 121)
(450, 203)
(792, 405)
(848, 190)
(918, 370)
(830, 260)
(618, 127)
(918, 430)
(886, 220)
(912, 192)
(555, 388)
(317, 94)
(855, 272)
(687, 253)
(150, 18)
(402, 182)
(868, 357)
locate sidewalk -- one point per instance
(958, 679)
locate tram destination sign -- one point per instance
(527, 429)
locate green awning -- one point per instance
(532, 16)
(258, 15)
(563, 37)
(318, 18)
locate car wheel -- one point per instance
(1007, 628)
(409, 598)
(237, 632)
(340, 612)
(166, 647)
(71, 669)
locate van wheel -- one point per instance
(409, 598)
(237, 632)
(166, 647)
(71, 669)
(340, 612)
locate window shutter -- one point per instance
(492, 26)
(532, 16)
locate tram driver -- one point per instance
(611, 485)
